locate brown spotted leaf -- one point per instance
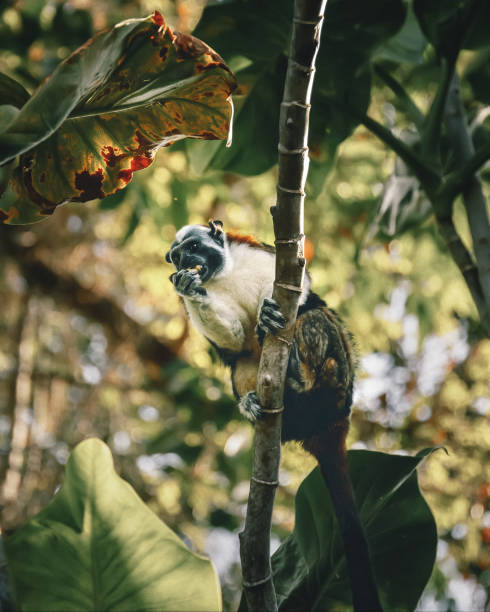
(106, 110)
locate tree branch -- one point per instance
(17, 334)
(473, 197)
(290, 262)
(21, 425)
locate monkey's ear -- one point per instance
(215, 227)
(167, 257)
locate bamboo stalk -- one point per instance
(290, 262)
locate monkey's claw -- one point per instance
(249, 406)
(270, 320)
(187, 283)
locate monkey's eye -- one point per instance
(193, 246)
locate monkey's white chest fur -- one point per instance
(228, 314)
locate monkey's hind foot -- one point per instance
(249, 406)
(270, 320)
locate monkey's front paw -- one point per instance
(249, 406)
(270, 320)
(187, 283)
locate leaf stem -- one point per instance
(426, 175)
(457, 180)
(466, 182)
(465, 263)
(431, 135)
(405, 100)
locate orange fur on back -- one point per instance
(236, 236)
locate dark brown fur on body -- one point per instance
(320, 372)
(317, 404)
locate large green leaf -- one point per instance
(407, 45)
(353, 30)
(477, 74)
(97, 546)
(240, 29)
(309, 568)
(255, 131)
(106, 110)
(451, 25)
(254, 37)
(253, 29)
(12, 92)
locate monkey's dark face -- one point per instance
(198, 247)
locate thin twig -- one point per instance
(288, 229)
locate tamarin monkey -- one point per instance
(225, 280)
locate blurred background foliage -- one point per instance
(94, 342)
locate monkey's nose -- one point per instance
(175, 256)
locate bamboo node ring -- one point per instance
(308, 22)
(289, 287)
(271, 483)
(286, 151)
(293, 191)
(296, 103)
(305, 69)
(295, 240)
(250, 585)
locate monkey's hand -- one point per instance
(249, 406)
(187, 283)
(270, 319)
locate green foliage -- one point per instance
(407, 45)
(451, 25)
(191, 463)
(255, 125)
(359, 39)
(309, 568)
(254, 36)
(478, 76)
(97, 546)
(106, 110)
(11, 92)
(420, 183)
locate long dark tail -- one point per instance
(329, 449)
